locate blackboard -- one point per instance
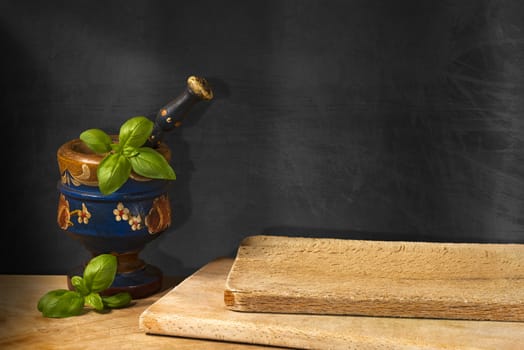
(394, 120)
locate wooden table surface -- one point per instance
(22, 326)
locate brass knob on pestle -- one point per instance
(172, 114)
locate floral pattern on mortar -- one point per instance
(158, 218)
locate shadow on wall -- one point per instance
(31, 199)
(321, 232)
(180, 195)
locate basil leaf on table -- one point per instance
(80, 285)
(95, 301)
(117, 301)
(60, 303)
(100, 272)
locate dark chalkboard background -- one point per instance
(394, 120)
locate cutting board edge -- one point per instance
(239, 298)
(432, 309)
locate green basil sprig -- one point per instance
(61, 303)
(98, 275)
(127, 154)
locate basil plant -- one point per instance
(126, 155)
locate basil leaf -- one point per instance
(113, 172)
(80, 285)
(150, 163)
(130, 151)
(45, 299)
(95, 301)
(116, 147)
(135, 131)
(97, 140)
(61, 303)
(117, 301)
(100, 272)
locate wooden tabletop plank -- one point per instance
(22, 326)
(195, 308)
(378, 278)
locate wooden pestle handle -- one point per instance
(172, 114)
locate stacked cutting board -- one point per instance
(321, 293)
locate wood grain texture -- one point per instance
(378, 278)
(23, 327)
(195, 308)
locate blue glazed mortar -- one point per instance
(123, 222)
(120, 223)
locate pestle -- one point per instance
(172, 114)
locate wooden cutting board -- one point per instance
(377, 278)
(195, 309)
